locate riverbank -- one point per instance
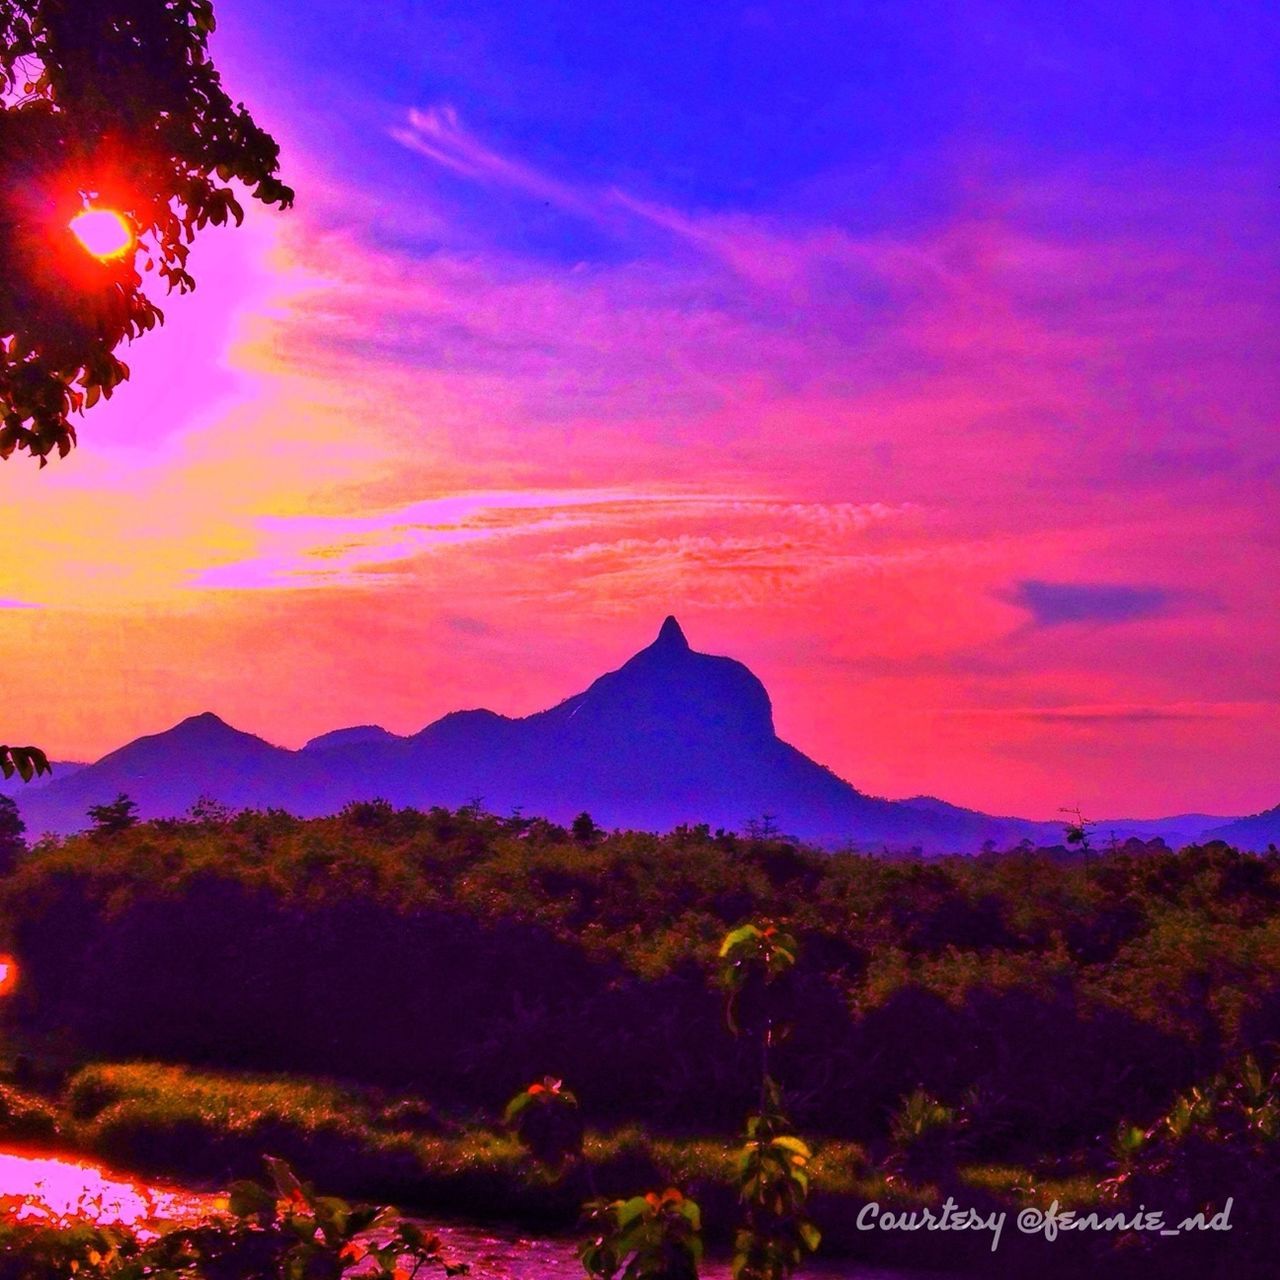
(207, 1129)
(54, 1204)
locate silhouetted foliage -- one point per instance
(548, 1121)
(584, 829)
(26, 762)
(1022, 988)
(111, 819)
(114, 104)
(12, 832)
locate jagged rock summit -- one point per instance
(670, 636)
(670, 693)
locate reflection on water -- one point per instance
(60, 1191)
(64, 1190)
(501, 1256)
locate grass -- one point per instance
(27, 1119)
(172, 1121)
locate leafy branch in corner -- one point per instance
(26, 762)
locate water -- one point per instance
(63, 1189)
(509, 1256)
(59, 1190)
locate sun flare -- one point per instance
(103, 233)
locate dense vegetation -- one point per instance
(1024, 1022)
(465, 954)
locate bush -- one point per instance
(27, 1119)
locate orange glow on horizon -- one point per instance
(103, 233)
(8, 975)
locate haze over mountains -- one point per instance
(672, 736)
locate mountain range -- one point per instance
(672, 736)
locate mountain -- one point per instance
(672, 736)
(977, 828)
(1255, 832)
(166, 773)
(1177, 832)
(355, 736)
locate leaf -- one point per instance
(789, 1142)
(737, 937)
(286, 1182)
(251, 1200)
(27, 762)
(517, 1105)
(413, 1235)
(627, 1211)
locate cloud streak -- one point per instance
(326, 551)
(1055, 604)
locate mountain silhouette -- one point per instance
(1254, 832)
(672, 736)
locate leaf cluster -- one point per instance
(114, 103)
(773, 1185)
(548, 1122)
(656, 1236)
(26, 762)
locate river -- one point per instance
(41, 1187)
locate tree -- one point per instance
(114, 106)
(12, 830)
(110, 819)
(1078, 830)
(211, 811)
(584, 829)
(763, 828)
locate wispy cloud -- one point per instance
(1119, 712)
(765, 256)
(438, 134)
(312, 551)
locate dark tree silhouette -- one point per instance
(584, 829)
(12, 831)
(111, 819)
(109, 104)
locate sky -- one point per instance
(924, 358)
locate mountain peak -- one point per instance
(205, 730)
(205, 720)
(358, 735)
(670, 636)
(669, 692)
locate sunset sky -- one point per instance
(923, 357)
